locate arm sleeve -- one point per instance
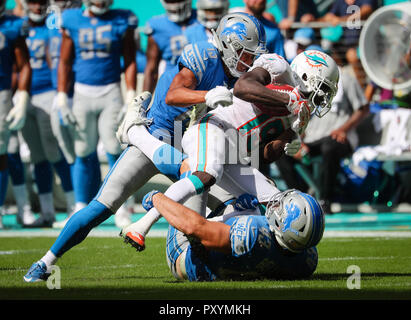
(242, 237)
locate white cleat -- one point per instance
(134, 238)
(135, 115)
(26, 216)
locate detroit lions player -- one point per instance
(209, 14)
(13, 50)
(216, 137)
(94, 39)
(165, 39)
(200, 69)
(37, 132)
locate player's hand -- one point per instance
(16, 117)
(64, 111)
(220, 95)
(339, 135)
(292, 148)
(303, 114)
(246, 202)
(147, 201)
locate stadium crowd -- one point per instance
(62, 118)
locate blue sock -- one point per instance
(86, 177)
(79, 226)
(63, 170)
(43, 175)
(111, 159)
(4, 181)
(16, 169)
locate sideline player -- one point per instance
(134, 169)
(166, 40)
(13, 50)
(45, 153)
(218, 135)
(93, 41)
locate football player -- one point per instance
(13, 50)
(166, 40)
(93, 41)
(44, 150)
(222, 132)
(209, 14)
(201, 68)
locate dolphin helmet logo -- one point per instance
(294, 213)
(315, 59)
(238, 28)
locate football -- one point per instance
(280, 87)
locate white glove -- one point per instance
(17, 115)
(64, 111)
(220, 95)
(292, 148)
(303, 116)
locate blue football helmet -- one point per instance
(210, 12)
(177, 10)
(102, 8)
(34, 16)
(236, 34)
(296, 219)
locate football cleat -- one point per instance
(37, 272)
(134, 238)
(135, 115)
(25, 216)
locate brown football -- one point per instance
(281, 87)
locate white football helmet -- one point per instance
(35, 17)
(97, 10)
(177, 10)
(316, 74)
(236, 34)
(296, 219)
(210, 21)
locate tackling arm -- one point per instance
(213, 235)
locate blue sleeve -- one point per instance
(199, 59)
(243, 235)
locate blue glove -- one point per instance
(147, 201)
(246, 202)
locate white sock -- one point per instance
(21, 196)
(142, 139)
(70, 202)
(49, 258)
(47, 205)
(79, 205)
(179, 191)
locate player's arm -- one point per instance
(22, 63)
(66, 63)
(153, 56)
(251, 87)
(182, 91)
(213, 235)
(130, 65)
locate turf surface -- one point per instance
(106, 268)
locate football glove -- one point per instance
(16, 117)
(147, 201)
(65, 113)
(292, 148)
(219, 96)
(246, 202)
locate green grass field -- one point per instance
(106, 268)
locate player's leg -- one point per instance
(131, 171)
(176, 249)
(5, 106)
(86, 169)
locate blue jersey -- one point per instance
(98, 43)
(275, 40)
(255, 254)
(169, 37)
(37, 43)
(196, 33)
(11, 28)
(203, 59)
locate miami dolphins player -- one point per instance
(93, 41)
(243, 244)
(13, 50)
(191, 81)
(219, 134)
(165, 39)
(209, 14)
(44, 150)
